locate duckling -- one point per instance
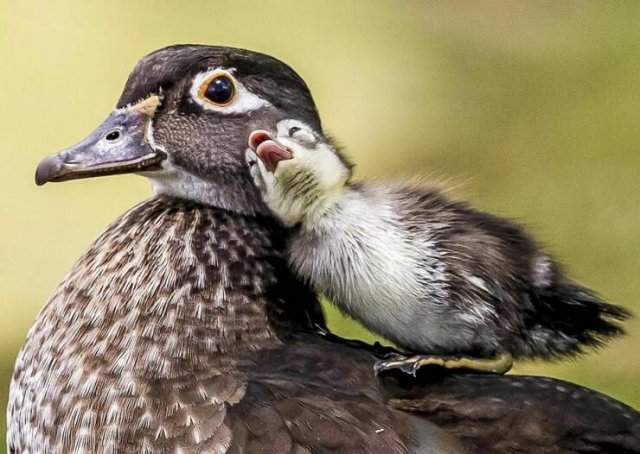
(451, 285)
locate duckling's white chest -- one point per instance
(362, 256)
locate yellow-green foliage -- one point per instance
(535, 106)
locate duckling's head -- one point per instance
(299, 172)
(183, 121)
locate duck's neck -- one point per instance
(172, 283)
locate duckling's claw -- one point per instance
(499, 364)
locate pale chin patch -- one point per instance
(175, 182)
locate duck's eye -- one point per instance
(219, 90)
(293, 130)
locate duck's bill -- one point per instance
(268, 150)
(118, 145)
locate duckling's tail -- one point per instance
(570, 318)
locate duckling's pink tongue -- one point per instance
(271, 153)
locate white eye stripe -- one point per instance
(243, 100)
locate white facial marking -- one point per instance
(243, 100)
(149, 137)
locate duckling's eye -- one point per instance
(219, 90)
(302, 134)
(293, 130)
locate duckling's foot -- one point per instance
(500, 364)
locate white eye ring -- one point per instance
(242, 100)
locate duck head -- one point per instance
(183, 121)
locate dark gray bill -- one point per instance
(118, 145)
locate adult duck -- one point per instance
(181, 330)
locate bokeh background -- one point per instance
(531, 109)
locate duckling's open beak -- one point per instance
(118, 145)
(268, 150)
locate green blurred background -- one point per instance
(531, 109)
